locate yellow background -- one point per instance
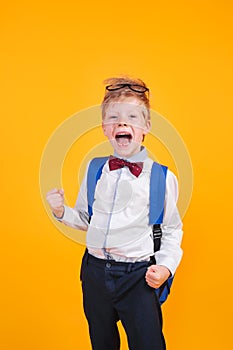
(54, 57)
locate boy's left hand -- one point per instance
(156, 275)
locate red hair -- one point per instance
(117, 95)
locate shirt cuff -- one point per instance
(169, 263)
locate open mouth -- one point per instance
(123, 139)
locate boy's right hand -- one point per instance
(55, 198)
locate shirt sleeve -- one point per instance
(78, 216)
(170, 252)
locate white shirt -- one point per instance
(119, 226)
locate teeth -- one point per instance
(123, 134)
(123, 139)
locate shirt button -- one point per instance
(108, 265)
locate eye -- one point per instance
(132, 116)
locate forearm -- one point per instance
(170, 252)
(74, 218)
(78, 216)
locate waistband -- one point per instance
(117, 265)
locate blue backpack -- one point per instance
(157, 195)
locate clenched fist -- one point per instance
(156, 275)
(55, 199)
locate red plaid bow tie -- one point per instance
(117, 163)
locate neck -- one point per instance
(137, 157)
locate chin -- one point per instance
(126, 153)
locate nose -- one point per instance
(122, 121)
(122, 124)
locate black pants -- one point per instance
(114, 291)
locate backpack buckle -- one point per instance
(157, 232)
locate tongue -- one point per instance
(123, 140)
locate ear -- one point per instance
(147, 127)
(104, 128)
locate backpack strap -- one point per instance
(157, 197)
(157, 193)
(94, 172)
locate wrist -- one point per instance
(59, 213)
(165, 271)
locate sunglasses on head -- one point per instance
(133, 87)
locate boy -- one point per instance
(118, 277)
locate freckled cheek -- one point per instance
(138, 137)
(108, 131)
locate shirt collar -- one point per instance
(138, 157)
